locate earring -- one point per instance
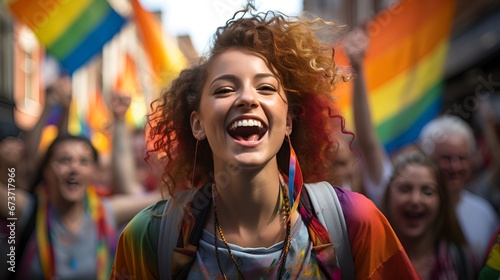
(295, 180)
(194, 164)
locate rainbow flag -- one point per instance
(404, 68)
(72, 31)
(165, 57)
(128, 84)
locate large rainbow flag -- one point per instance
(72, 31)
(404, 68)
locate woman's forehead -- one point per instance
(73, 147)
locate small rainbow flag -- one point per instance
(72, 31)
(165, 57)
(128, 84)
(404, 68)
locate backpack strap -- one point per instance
(169, 232)
(321, 195)
(328, 210)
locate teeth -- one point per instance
(72, 181)
(246, 123)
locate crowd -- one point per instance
(243, 138)
(67, 222)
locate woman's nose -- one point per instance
(247, 98)
(415, 196)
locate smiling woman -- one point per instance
(232, 131)
(67, 228)
(418, 206)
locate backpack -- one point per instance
(325, 204)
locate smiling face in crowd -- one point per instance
(243, 110)
(70, 170)
(414, 202)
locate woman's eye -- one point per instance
(64, 160)
(268, 88)
(403, 188)
(429, 191)
(223, 90)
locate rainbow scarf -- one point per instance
(295, 180)
(323, 248)
(105, 233)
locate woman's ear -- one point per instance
(197, 126)
(289, 124)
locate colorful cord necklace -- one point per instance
(104, 233)
(218, 229)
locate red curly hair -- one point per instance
(307, 71)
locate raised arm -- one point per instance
(129, 196)
(124, 169)
(372, 151)
(63, 94)
(57, 94)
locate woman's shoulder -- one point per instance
(377, 252)
(136, 252)
(356, 206)
(145, 224)
(363, 218)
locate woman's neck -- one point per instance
(250, 197)
(422, 253)
(71, 214)
(247, 209)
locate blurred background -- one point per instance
(426, 57)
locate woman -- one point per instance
(227, 127)
(65, 230)
(447, 140)
(418, 207)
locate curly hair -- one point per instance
(305, 67)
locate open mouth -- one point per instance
(414, 215)
(249, 130)
(73, 183)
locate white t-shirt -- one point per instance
(478, 221)
(374, 191)
(259, 263)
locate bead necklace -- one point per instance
(218, 229)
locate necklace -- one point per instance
(218, 229)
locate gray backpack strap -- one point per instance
(169, 232)
(327, 206)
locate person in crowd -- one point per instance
(375, 164)
(19, 152)
(68, 229)
(416, 203)
(234, 129)
(449, 141)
